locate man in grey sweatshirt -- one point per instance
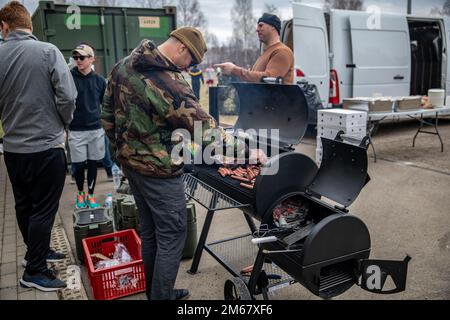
(37, 101)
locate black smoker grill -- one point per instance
(326, 249)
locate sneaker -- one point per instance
(52, 256)
(72, 180)
(181, 294)
(44, 281)
(109, 178)
(81, 201)
(91, 202)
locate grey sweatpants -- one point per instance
(163, 216)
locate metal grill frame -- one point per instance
(234, 267)
(214, 200)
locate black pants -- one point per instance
(37, 180)
(78, 173)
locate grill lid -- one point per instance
(342, 174)
(273, 106)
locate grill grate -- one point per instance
(240, 253)
(207, 196)
(335, 278)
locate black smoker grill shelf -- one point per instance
(238, 253)
(207, 196)
(227, 185)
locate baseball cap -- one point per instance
(84, 50)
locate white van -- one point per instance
(344, 56)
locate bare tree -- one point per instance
(446, 8)
(436, 11)
(211, 39)
(271, 8)
(344, 4)
(154, 3)
(190, 14)
(100, 3)
(151, 3)
(105, 3)
(244, 28)
(117, 3)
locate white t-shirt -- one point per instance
(209, 73)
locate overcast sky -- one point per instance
(218, 15)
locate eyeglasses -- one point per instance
(78, 58)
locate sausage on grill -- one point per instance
(240, 179)
(248, 186)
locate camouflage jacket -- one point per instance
(146, 99)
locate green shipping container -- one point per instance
(113, 31)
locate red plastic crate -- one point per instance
(118, 281)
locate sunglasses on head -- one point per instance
(81, 58)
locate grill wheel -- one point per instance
(236, 289)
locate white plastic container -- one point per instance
(117, 176)
(331, 133)
(319, 145)
(341, 118)
(109, 201)
(319, 155)
(436, 97)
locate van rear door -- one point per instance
(311, 49)
(447, 55)
(381, 55)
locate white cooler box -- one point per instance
(331, 133)
(341, 118)
(319, 155)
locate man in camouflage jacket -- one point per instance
(147, 99)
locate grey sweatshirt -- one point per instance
(37, 94)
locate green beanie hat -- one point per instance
(193, 40)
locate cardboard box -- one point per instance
(408, 103)
(369, 104)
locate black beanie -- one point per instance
(271, 19)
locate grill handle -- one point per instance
(282, 251)
(272, 80)
(264, 240)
